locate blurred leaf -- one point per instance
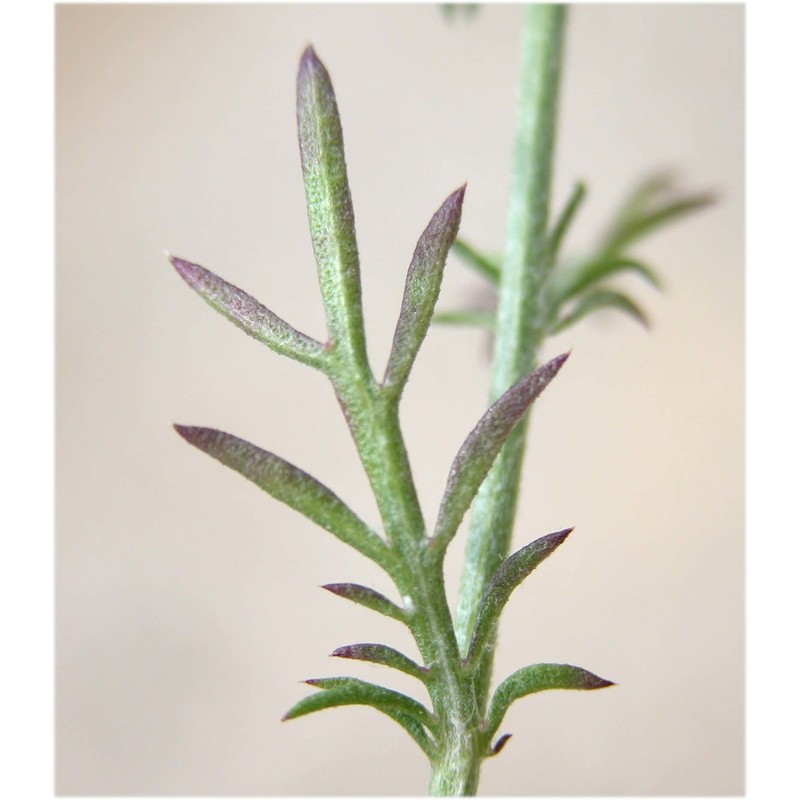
(248, 314)
(292, 486)
(564, 221)
(483, 319)
(480, 448)
(480, 262)
(369, 598)
(653, 202)
(423, 282)
(410, 714)
(381, 654)
(330, 208)
(568, 282)
(509, 575)
(538, 678)
(598, 300)
(452, 10)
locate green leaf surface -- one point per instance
(369, 598)
(509, 575)
(248, 314)
(569, 282)
(423, 283)
(480, 448)
(537, 678)
(382, 654)
(353, 691)
(481, 319)
(565, 221)
(292, 486)
(330, 209)
(410, 714)
(480, 262)
(597, 301)
(634, 226)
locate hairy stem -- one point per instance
(520, 317)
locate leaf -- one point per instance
(291, 485)
(499, 745)
(351, 691)
(568, 283)
(538, 678)
(481, 447)
(369, 598)
(480, 262)
(330, 208)
(508, 576)
(248, 314)
(600, 299)
(423, 282)
(381, 654)
(565, 220)
(634, 227)
(483, 319)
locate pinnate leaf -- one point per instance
(369, 598)
(381, 654)
(423, 281)
(508, 576)
(292, 486)
(538, 678)
(480, 449)
(248, 314)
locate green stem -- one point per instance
(521, 317)
(374, 421)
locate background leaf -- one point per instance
(350, 691)
(597, 301)
(480, 262)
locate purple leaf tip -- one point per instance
(309, 60)
(500, 743)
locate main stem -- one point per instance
(520, 316)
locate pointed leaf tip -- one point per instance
(501, 743)
(368, 598)
(423, 282)
(249, 315)
(538, 678)
(292, 486)
(505, 580)
(480, 449)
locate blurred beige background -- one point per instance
(188, 607)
